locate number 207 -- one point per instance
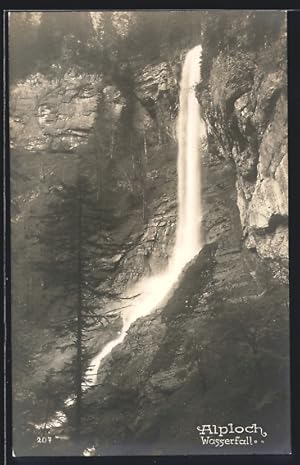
(43, 439)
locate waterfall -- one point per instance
(190, 131)
(153, 291)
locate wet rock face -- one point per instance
(245, 108)
(219, 201)
(151, 248)
(157, 89)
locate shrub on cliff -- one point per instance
(38, 40)
(240, 32)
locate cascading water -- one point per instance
(152, 292)
(190, 132)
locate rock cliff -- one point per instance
(245, 107)
(217, 352)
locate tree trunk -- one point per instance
(79, 322)
(45, 430)
(112, 143)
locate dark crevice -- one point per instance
(275, 221)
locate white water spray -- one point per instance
(191, 130)
(153, 292)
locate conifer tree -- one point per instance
(68, 237)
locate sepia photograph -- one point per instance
(149, 232)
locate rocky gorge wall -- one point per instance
(199, 358)
(245, 107)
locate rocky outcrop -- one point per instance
(53, 115)
(157, 89)
(245, 106)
